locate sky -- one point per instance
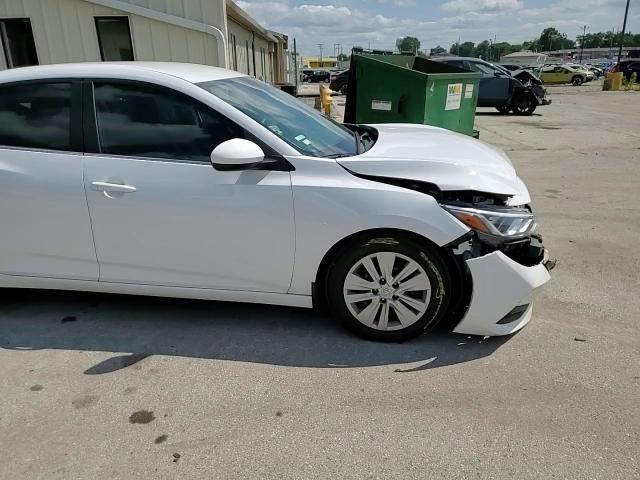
(378, 23)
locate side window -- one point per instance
(36, 116)
(142, 121)
(482, 68)
(459, 64)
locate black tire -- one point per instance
(343, 89)
(577, 81)
(524, 103)
(504, 110)
(427, 257)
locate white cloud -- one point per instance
(470, 20)
(481, 5)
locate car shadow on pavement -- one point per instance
(138, 327)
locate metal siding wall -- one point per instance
(242, 36)
(64, 31)
(206, 11)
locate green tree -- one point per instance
(438, 50)
(500, 49)
(592, 40)
(464, 49)
(482, 50)
(552, 39)
(409, 45)
(343, 57)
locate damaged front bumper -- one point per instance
(503, 284)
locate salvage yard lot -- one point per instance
(108, 387)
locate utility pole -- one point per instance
(320, 45)
(295, 62)
(584, 34)
(624, 27)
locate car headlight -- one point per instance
(501, 221)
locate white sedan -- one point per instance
(190, 181)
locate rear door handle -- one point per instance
(113, 187)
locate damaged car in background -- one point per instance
(224, 188)
(519, 91)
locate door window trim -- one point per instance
(76, 135)
(274, 161)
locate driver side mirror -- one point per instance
(235, 155)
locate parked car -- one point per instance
(315, 76)
(184, 180)
(628, 67)
(558, 74)
(341, 82)
(333, 74)
(498, 87)
(579, 66)
(597, 71)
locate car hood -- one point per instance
(450, 160)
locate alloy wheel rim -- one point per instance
(387, 291)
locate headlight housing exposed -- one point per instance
(499, 221)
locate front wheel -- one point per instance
(524, 104)
(577, 81)
(389, 289)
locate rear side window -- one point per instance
(36, 116)
(143, 121)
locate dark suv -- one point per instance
(315, 76)
(341, 82)
(499, 89)
(628, 67)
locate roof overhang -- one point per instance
(238, 15)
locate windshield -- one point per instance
(300, 126)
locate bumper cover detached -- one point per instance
(502, 293)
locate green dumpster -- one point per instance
(411, 89)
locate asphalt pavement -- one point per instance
(115, 387)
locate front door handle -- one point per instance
(112, 187)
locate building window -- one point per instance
(18, 43)
(233, 53)
(114, 39)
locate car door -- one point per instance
(563, 75)
(45, 228)
(548, 75)
(162, 215)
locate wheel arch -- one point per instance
(460, 279)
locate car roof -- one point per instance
(472, 59)
(190, 72)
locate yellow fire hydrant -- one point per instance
(325, 99)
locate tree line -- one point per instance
(549, 39)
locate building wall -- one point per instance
(64, 31)
(243, 37)
(210, 12)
